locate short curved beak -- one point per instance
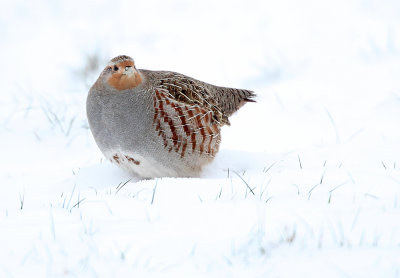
(128, 71)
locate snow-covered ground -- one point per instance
(307, 182)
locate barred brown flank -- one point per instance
(206, 118)
(183, 120)
(183, 149)
(155, 115)
(193, 137)
(158, 95)
(172, 128)
(161, 132)
(196, 122)
(161, 107)
(202, 132)
(209, 130)
(209, 145)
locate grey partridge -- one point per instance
(158, 123)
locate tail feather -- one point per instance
(230, 100)
(249, 100)
(248, 96)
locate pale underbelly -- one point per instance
(145, 167)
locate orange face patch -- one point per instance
(122, 81)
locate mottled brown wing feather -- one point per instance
(193, 92)
(222, 101)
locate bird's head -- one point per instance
(121, 73)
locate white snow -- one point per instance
(307, 181)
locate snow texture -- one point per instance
(307, 181)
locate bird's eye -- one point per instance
(115, 68)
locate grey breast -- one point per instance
(120, 120)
